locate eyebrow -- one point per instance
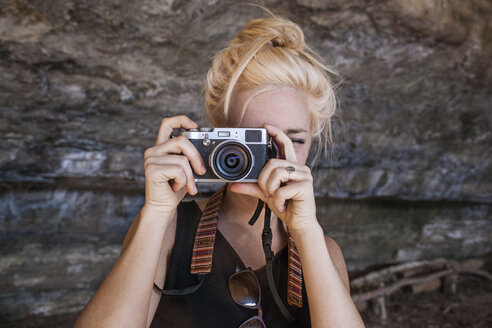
(292, 131)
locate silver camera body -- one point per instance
(230, 154)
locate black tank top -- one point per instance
(212, 305)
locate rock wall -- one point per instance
(85, 84)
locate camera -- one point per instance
(230, 154)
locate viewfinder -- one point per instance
(253, 136)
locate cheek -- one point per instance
(302, 154)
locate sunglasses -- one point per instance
(246, 292)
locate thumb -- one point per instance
(250, 189)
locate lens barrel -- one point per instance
(231, 160)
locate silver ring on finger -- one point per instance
(290, 169)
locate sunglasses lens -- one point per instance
(245, 289)
(253, 323)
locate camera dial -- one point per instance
(206, 141)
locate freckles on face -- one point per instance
(287, 109)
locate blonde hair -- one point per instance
(268, 53)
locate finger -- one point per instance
(281, 139)
(165, 173)
(180, 145)
(281, 175)
(170, 123)
(270, 166)
(178, 176)
(181, 193)
(293, 191)
(179, 160)
(250, 189)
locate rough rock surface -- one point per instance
(85, 84)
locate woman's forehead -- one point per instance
(285, 107)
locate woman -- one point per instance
(264, 78)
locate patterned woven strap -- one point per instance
(294, 288)
(203, 249)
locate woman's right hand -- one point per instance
(168, 174)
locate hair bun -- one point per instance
(268, 53)
(281, 32)
(289, 37)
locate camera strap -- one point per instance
(201, 262)
(266, 238)
(255, 216)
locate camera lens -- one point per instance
(232, 160)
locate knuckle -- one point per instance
(150, 170)
(147, 162)
(185, 164)
(165, 122)
(278, 171)
(182, 160)
(271, 162)
(308, 184)
(181, 170)
(180, 139)
(148, 152)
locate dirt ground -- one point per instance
(470, 307)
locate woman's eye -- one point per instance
(300, 141)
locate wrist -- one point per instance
(158, 211)
(306, 229)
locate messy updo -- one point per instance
(269, 53)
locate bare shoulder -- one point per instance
(338, 259)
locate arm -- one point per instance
(338, 260)
(326, 280)
(126, 297)
(162, 264)
(290, 195)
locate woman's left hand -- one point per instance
(290, 198)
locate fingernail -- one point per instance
(204, 169)
(195, 189)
